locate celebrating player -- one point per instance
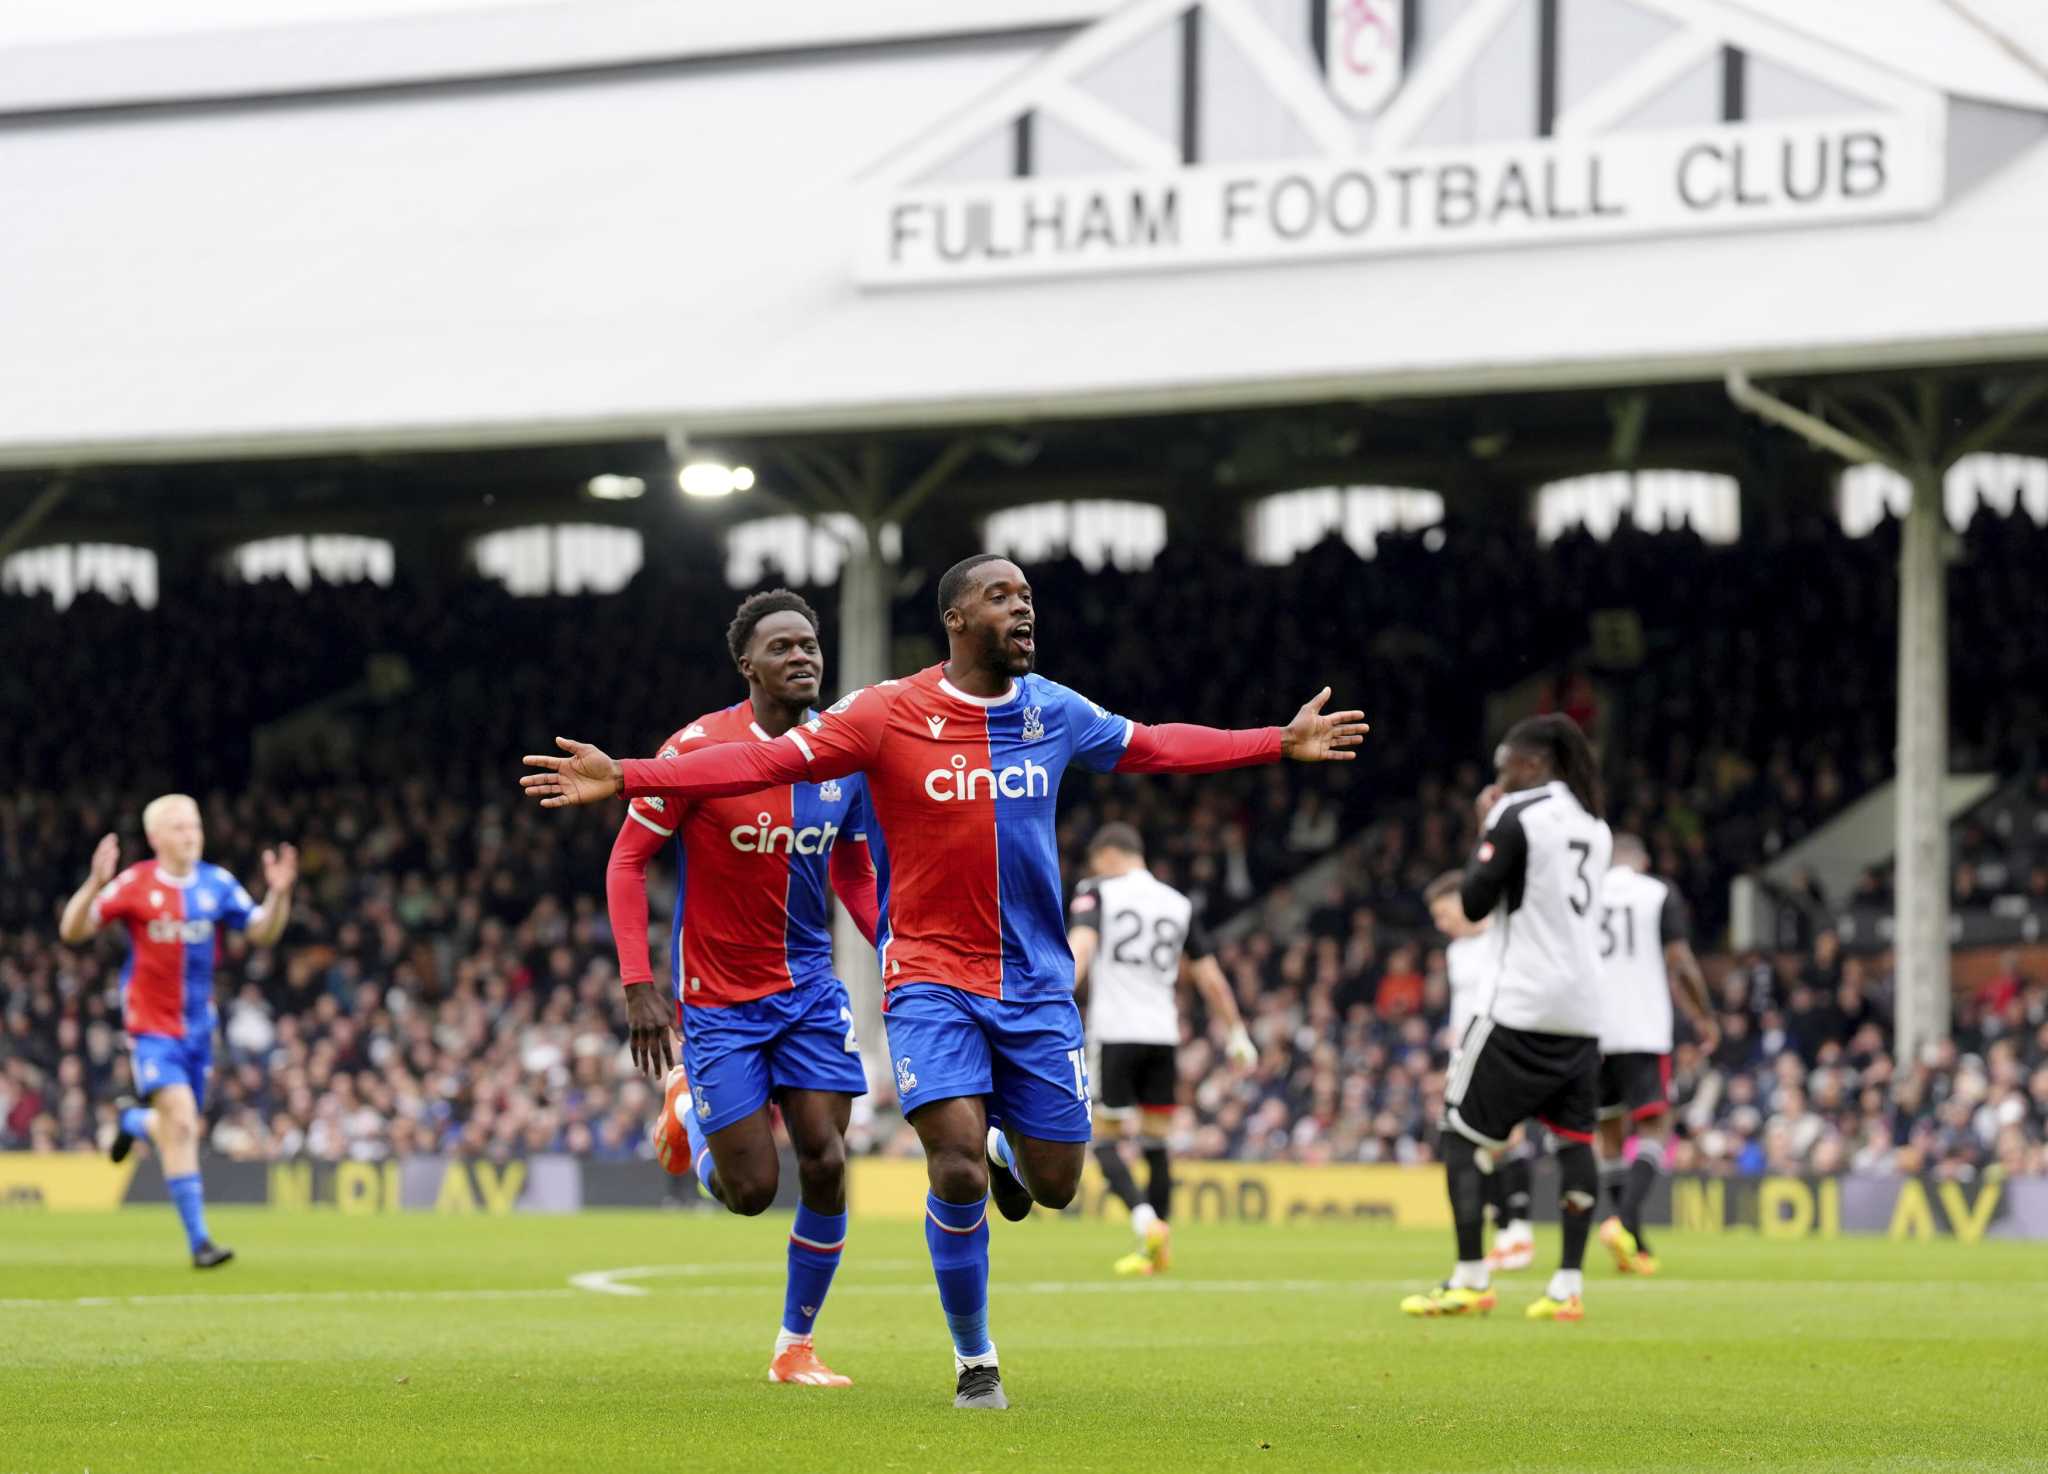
(1132, 993)
(1534, 1050)
(175, 906)
(963, 761)
(1645, 961)
(750, 962)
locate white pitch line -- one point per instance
(608, 1281)
(588, 1282)
(282, 1297)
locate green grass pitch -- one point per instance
(420, 1343)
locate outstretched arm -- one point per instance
(1314, 736)
(588, 774)
(838, 744)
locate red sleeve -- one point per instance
(1177, 747)
(853, 881)
(625, 895)
(115, 902)
(841, 742)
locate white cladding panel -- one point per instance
(630, 251)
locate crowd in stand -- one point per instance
(447, 982)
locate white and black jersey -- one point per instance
(1468, 962)
(1639, 916)
(1146, 927)
(1538, 872)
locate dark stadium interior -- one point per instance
(447, 981)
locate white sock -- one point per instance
(786, 1338)
(1566, 1283)
(1518, 1230)
(985, 1359)
(1471, 1274)
(1142, 1218)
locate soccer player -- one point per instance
(1534, 1050)
(174, 906)
(750, 969)
(1646, 960)
(963, 761)
(1132, 990)
(1466, 960)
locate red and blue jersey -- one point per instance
(966, 846)
(174, 924)
(753, 915)
(961, 793)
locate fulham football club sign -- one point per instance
(1171, 136)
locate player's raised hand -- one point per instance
(1483, 805)
(281, 868)
(1318, 736)
(650, 1034)
(106, 859)
(585, 776)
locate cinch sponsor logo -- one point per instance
(764, 837)
(961, 784)
(169, 929)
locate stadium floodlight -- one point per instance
(609, 488)
(714, 479)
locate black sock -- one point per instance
(1116, 1173)
(1614, 1177)
(1494, 1195)
(1159, 1179)
(1515, 1175)
(1467, 1186)
(1578, 1191)
(1642, 1176)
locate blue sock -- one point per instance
(957, 1235)
(1000, 1149)
(815, 1240)
(135, 1121)
(191, 1207)
(700, 1161)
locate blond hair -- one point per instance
(157, 808)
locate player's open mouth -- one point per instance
(1021, 638)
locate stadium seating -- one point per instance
(447, 980)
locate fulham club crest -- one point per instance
(1362, 53)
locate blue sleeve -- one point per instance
(1097, 738)
(857, 815)
(237, 905)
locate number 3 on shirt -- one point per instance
(1078, 1058)
(1584, 851)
